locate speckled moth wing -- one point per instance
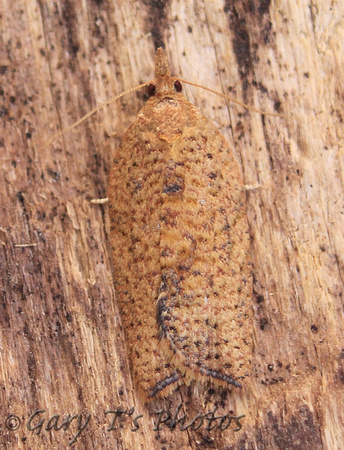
(135, 195)
(204, 308)
(181, 246)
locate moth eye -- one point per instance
(151, 89)
(178, 86)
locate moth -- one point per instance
(181, 246)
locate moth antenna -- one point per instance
(96, 109)
(233, 100)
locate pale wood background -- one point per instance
(62, 345)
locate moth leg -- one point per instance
(163, 384)
(206, 371)
(153, 374)
(152, 369)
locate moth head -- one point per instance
(164, 86)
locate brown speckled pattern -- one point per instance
(181, 247)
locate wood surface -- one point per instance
(62, 343)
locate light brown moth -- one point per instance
(180, 244)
